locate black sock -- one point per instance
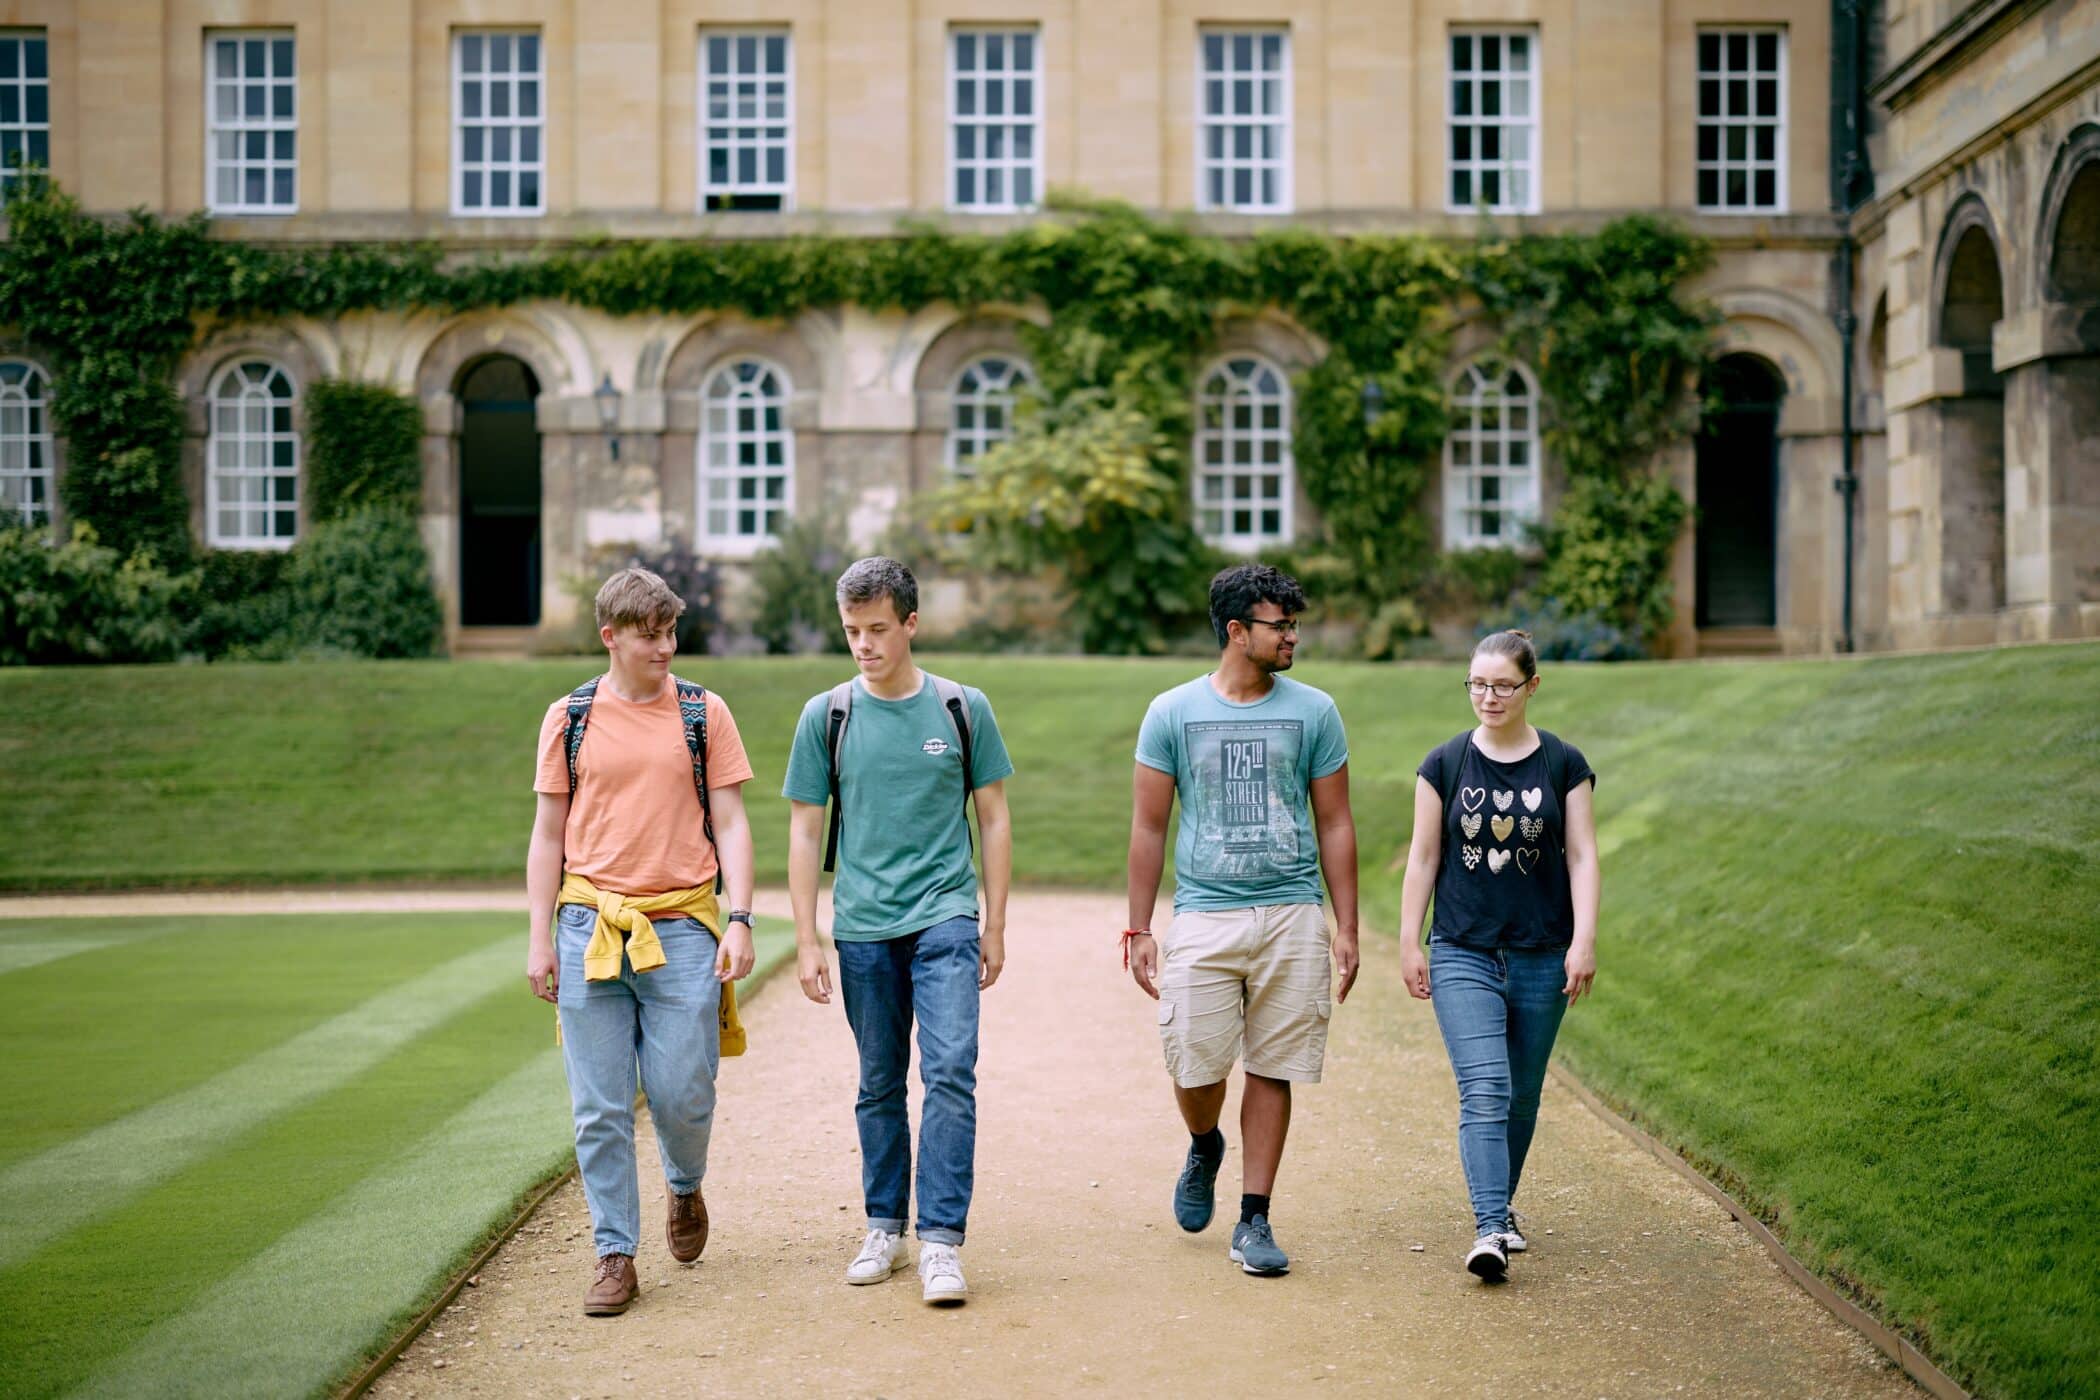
(1251, 1206)
(1210, 1146)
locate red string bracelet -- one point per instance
(1128, 934)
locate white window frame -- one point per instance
(1479, 385)
(1005, 81)
(1481, 82)
(730, 473)
(232, 432)
(22, 129)
(488, 124)
(25, 436)
(1226, 435)
(785, 186)
(270, 126)
(1281, 124)
(998, 394)
(1749, 163)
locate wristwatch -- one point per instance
(740, 916)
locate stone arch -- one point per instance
(461, 343)
(1966, 437)
(713, 339)
(2067, 239)
(1800, 346)
(279, 342)
(1268, 333)
(955, 346)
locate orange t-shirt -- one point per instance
(634, 824)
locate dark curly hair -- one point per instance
(1235, 591)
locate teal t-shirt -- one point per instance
(1244, 774)
(904, 849)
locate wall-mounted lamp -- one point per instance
(608, 400)
(1374, 403)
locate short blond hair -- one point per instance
(637, 597)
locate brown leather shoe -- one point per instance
(685, 1228)
(613, 1287)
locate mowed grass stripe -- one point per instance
(320, 1299)
(43, 1197)
(180, 1000)
(95, 1293)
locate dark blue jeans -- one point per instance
(931, 976)
(1499, 1011)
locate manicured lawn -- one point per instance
(236, 1155)
(1848, 943)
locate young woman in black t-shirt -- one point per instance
(1505, 835)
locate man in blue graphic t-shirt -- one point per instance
(1262, 770)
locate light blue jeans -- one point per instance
(930, 975)
(668, 1022)
(1499, 1010)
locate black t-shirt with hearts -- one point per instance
(1503, 882)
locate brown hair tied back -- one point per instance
(1514, 644)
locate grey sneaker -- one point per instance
(1255, 1250)
(1487, 1258)
(940, 1273)
(1196, 1193)
(881, 1255)
(1513, 1241)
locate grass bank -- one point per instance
(1850, 908)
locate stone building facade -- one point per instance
(492, 124)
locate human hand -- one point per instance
(1414, 970)
(542, 969)
(1582, 970)
(1144, 963)
(735, 955)
(991, 956)
(1348, 959)
(813, 972)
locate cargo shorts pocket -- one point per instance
(1170, 1028)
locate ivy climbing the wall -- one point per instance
(1095, 484)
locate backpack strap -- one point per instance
(572, 728)
(957, 704)
(692, 712)
(1449, 757)
(840, 706)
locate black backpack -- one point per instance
(692, 709)
(841, 707)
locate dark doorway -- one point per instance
(1737, 541)
(499, 496)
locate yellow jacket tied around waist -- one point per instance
(624, 925)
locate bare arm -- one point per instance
(995, 824)
(733, 849)
(1586, 884)
(543, 863)
(805, 855)
(1151, 802)
(1425, 852)
(1335, 826)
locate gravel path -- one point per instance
(1080, 1283)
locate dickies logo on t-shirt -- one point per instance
(935, 747)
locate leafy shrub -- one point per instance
(1608, 550)
(242, 608)
(363, 448)
(360, 584)
(83, 601)
(1561, 636)
(796, 580)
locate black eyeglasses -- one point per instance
(1503, 689)
(1287, 628)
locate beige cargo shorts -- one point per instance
(1257, 977)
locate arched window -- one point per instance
(1243, 453)
(26, 482)
(746, 454)
(1491, 458)
(252, 487)
(981, 410)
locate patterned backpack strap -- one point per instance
(572, 729)
(692, 710)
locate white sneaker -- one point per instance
(1487, 1258)
(940, 1273)
(1512, 1236)
(881, 1255)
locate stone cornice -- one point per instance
(1957, 44)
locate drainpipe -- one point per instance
(1852, 184)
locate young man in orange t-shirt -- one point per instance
(622, 823)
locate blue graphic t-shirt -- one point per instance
(1244, 774)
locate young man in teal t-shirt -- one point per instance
(1261, 766)
(904, 910)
